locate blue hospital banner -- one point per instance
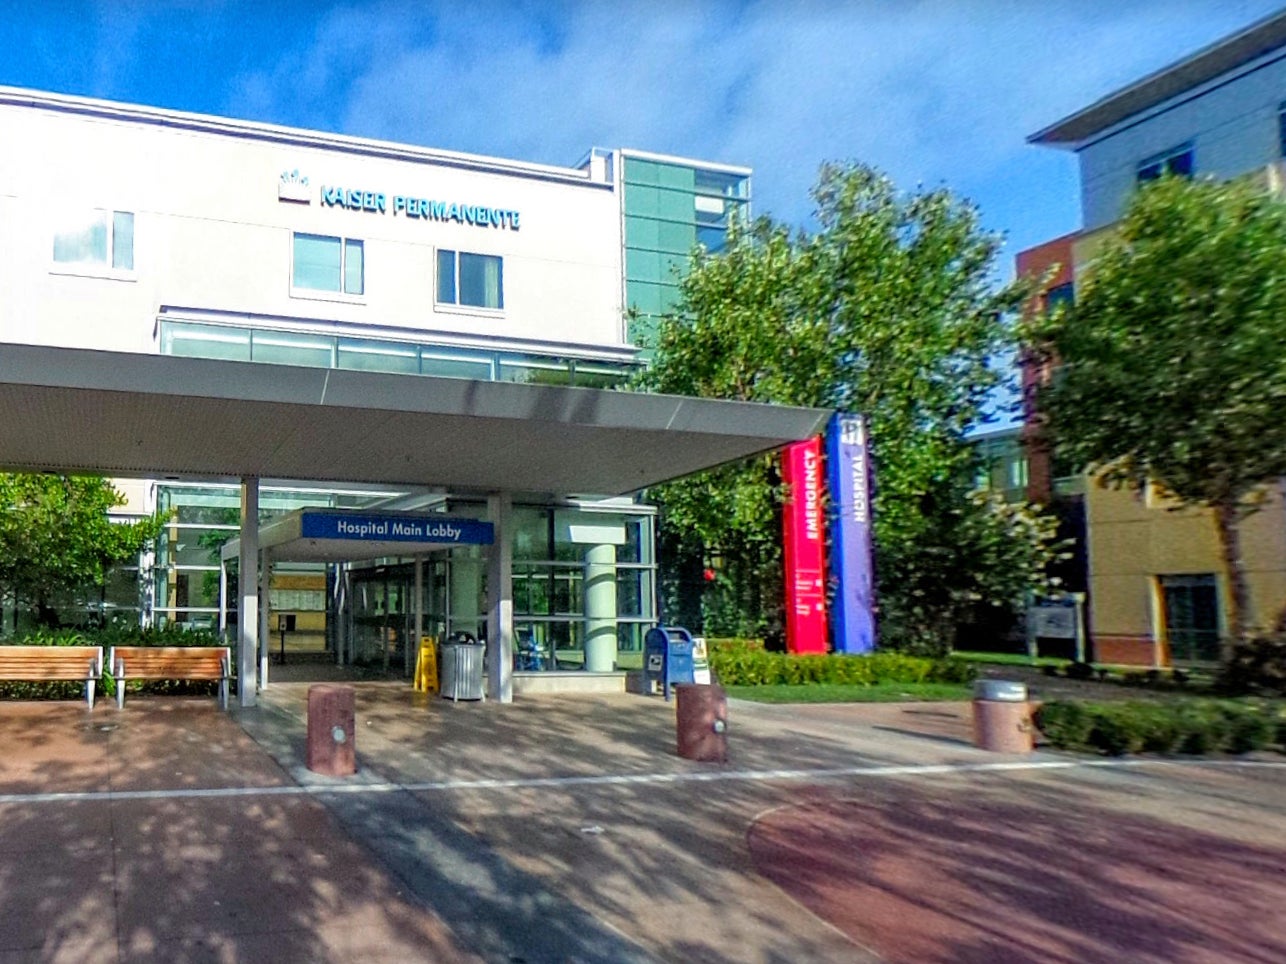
(848, 463)
(386, 528)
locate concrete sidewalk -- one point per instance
(565, 829)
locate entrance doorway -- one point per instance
(381, 615)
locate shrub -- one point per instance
(1117, 730)
(1065, 723)
(1079, 671)
(1256, 666)
(1187, 726)
(738, 665)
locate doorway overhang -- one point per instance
(132, 414)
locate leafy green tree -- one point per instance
(56, 537)
(1173, 358)
(889, 309)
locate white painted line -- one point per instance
(627, 779)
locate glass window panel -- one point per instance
(378, 356)
(354, 267)
(640, 171)
(715, 239)
(194, 547)
(642, 233)
(82, 239)
(644, 296)
(674, 176)
(631, 590)
(631, 551)
(592, 375)
(675, 205)
(643, 266)
(1180, 165)
(446, 276)
(536, 371)
(673, 266)
(123, 240)
(121, 590)
(670, 297)
(229, 515)
(318, 261)
(480, 281)
(644, 201)
(531, 533)
(284, 348)
(205, 341)
(449, 367)
(676, 238)
(718, 182)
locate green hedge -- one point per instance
(170, 635)
(1179, 726)
(743, 664)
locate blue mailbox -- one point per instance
(667, 658)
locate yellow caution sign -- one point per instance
(426, 666)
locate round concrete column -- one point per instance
(600, 609)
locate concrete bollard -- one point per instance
(1002, 717)
(701, 721)
(331, 731)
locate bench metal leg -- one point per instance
(223, 694)
(89, 693)
(120, 685)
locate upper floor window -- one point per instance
(473, 280)
(1177, 161)
(98, 238)
(1059, 295)
(324, 263)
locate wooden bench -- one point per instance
(171, 662)
(49, 664)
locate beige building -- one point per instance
(1157, 589)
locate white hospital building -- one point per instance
(237, 321)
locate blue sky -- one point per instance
(931, 91)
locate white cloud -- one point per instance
(931, 92)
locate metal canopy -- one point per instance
(131, 414)
(347, 535)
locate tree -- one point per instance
(1173, 369)
(56, 537)
(889, 309)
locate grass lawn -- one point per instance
(841, 693)
(1008, 659)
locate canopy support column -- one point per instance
(248, 591)
(500, 604)
(419, 615)
(265, 635)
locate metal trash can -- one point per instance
(462, 670)
(701, 721)
(331, 730)
(1002, 717)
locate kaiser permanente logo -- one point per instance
(293, 186)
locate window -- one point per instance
(323, 263)
(1191, 609)
(104, 239)
(1178, 161)
(471, 280)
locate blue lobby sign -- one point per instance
(386, 528)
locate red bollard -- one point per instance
(331, 730)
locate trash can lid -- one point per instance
(999, 691)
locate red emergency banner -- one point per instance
(803, 530)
